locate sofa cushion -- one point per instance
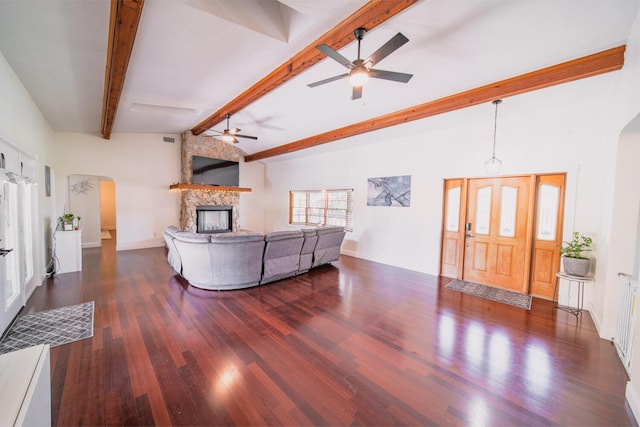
(308, 246)
(173, 256)
(172, 231)
(282, 235)
(185, 236)
(237, 237)
(328, 245)
(236, 261)
(281, 255)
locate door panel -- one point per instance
(496, 241)
(12, 296)
(547, 235)
(452, 230)
(515, 229)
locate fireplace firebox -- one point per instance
(214, 219)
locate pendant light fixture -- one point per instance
(492, 166)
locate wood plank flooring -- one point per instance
(356, 343)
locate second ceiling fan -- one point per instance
(231, 134)
(360, 69)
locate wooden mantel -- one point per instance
(201, 187)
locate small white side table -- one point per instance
(580, 281)
(68, 250)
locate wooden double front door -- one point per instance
(504, 231)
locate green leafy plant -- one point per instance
(68, 218)
(574, 248)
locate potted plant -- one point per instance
(573, 260)
(69, 221)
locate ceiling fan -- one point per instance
(360, 69)
(231, 135)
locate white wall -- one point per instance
(624, 220)
(83, 193)
(554, 130)
(142, 167)
(24, 127)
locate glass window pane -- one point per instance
(299, 200)
(508, 209)
(483, 210)
(548, 200)
(327, 207)
(316, 200)
(453, 209)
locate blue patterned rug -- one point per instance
(494, 294)
(54, 327)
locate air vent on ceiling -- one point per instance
(168, 139)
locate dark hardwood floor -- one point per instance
(356, 343)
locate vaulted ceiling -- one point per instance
(193, 61)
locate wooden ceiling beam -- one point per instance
(368, 16)
(123, 26)
(587, 66)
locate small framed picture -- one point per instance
(47, 181)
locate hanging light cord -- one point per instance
(495, 126)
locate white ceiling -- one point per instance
(191, 57)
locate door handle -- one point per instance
(4, 252)
(469, 235)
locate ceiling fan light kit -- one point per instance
(359, 76)
(360, 70)
(231, 134)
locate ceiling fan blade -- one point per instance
(357, 92)
(330, 79)
(386, 49)
(334, 55)
(245, 136)
(213, 130)
(390, 75)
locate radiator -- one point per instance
(623, 339)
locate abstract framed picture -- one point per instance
(389, 191)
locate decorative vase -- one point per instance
(576, 266)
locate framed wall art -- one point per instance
(389, 191)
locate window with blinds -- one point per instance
(322, 207)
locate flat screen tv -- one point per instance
(215, 172)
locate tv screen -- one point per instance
(215, 171)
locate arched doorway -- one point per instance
(92, 198)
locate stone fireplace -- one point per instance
(212, 197)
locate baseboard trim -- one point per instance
(634, 402)
(147, 245)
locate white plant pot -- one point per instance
(576, 266)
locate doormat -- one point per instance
(494, 294)
(54, 327)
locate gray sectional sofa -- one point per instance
(244, 259)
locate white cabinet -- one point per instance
(68, 250)
(25, 387)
